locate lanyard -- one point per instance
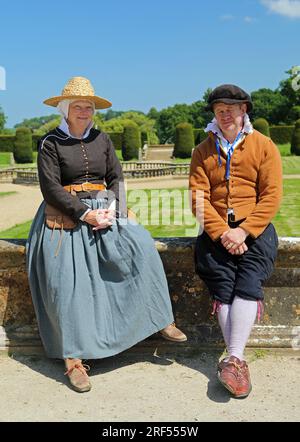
(229, 153)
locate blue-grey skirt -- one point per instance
(105, 290)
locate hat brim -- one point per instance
(209, 107)
(100, 103)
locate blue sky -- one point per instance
(140, 54)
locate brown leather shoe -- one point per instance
(76, 371)
(172, 333)
(234, 375)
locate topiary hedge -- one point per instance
(184, 140)
(116, 138)
(262, 126)
(199, 136)
(23, 145)
(131, 141)
(295, 143)
(7, 143)
(281, 134)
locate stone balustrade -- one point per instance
(132, 169)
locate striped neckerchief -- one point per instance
(225, 145)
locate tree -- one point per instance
(2, 119)
(200, 116)
(50, 125)
(268, 104)
(153, 113)
(110, 114)
(37, 122)
(145, 124)
(295, 143)
(294, 113)
(168, 120)
(289, 87)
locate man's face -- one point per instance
(230, 116)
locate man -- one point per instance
(239, 173)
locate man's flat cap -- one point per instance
(228, 94)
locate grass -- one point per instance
(287, 220)
(19, 231)
(284, 149)
(259, 353)
(179, 221)
(291, 165)
(6, 193)
(5, 161)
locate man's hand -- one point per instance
(234, 241)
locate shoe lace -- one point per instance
(81, 367)
(241, 369)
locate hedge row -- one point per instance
(116, 138)
(199, 136)
(7, 142)
(281, 134)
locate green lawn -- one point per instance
(284, 149)
(291, 165)
(178, 221)
(19, 231)
(287, 220)
(5, 161)
(6, 193)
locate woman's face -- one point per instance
(80, 114)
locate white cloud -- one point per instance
(288, 8)
(226, 17)
(248, 19)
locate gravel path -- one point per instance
(149, 388)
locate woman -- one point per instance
(97, 282)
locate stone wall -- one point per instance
(159, 152)
(280, 325)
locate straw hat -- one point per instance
(79, 88)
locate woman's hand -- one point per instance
(234, 241)
(100, 218)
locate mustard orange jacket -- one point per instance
(254, 189)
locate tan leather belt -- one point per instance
(84, 187)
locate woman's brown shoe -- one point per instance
(77, 376)
(172, 333)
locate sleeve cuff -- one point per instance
(84, 214)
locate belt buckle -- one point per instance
(83, 186)
(230, 215)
